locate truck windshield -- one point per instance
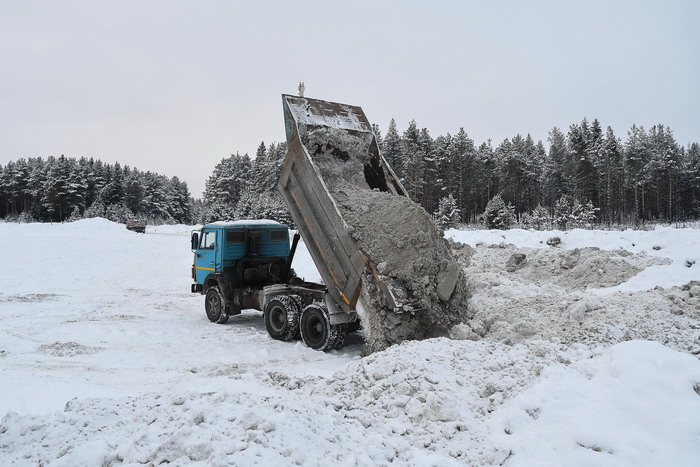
(207, 242)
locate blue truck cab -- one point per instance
(234, 261)
(224, 245)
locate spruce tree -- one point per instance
(392, 150)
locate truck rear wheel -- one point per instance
(282, 318)
(317, 331)
(215, 305)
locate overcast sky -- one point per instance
(175, 86)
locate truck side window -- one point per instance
(278, 235)
(235, 236)
(207, 242)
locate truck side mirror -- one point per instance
(195, 240)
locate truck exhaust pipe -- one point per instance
(286, 274)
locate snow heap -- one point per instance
(401, 241)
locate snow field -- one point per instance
(106, 358)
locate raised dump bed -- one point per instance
(379, 254)
(327, 236)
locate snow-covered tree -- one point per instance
(499, 214)
(447, 215)
(392, 150)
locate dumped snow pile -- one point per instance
(678, 250)
(400, 239)
(435, 394)
(561, 295)
(638, 403)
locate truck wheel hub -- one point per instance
(278, 318)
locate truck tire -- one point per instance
(317, 331)
(215, 305)
(282, 318)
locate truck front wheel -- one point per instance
(317, 331)
(215, 305)
(282, 318)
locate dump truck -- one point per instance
(248, 264)
(136, 226)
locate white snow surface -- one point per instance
(577, 357)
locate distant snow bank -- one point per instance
(682, 246)
(176, 229)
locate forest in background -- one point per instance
(57, 189)
(586, 176)
(648, 177)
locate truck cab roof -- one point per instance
(245, 224)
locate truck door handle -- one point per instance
(198, 255)
(212, 262)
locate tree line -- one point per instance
(646, 177)
(241, 187)
(585, 176)
(57, 189)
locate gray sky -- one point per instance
(175, 86)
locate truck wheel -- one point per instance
(215, 305)
(317, 331)
(282, 318)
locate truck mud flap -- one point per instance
(337, 315)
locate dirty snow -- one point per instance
(399, 238)
(106, 358)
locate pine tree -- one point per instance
(612, 179)
(414, 161)
(499, 214)
(635, 162)
(463, 157)
(392, 150)
(430, 193)
(486, 176)
(557, 167)
(445, 177)
(447, 215)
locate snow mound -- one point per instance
(436, 393)
(676, 248)
(174, 229)
(95, 223)
(552, 295)
(636, 404)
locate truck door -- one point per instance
(205, 256)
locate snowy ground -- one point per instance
(581, 354)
